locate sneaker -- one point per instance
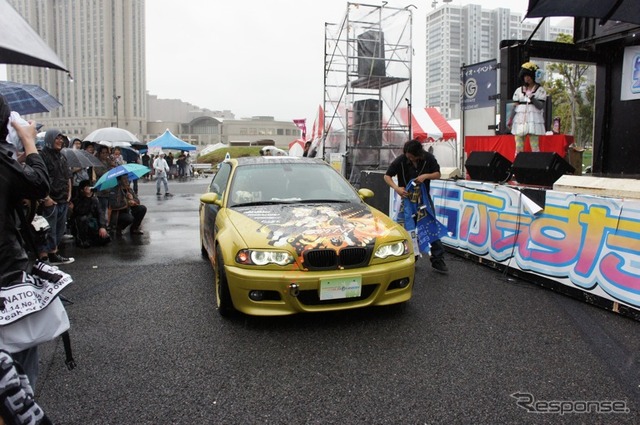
(168, 194)
(439, 265)
(158, 193)
(55, 258)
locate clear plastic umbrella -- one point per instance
(113, 135)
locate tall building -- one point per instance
(102, 43)
(457, 35)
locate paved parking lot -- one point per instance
(470, 347)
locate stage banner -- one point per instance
(630, 87)
(479, 84)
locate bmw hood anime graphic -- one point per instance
(306, 227)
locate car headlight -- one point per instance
(262, 258)
(396, 249)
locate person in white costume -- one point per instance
(527, 117)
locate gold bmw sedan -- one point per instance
(287, 235)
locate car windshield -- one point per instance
(279, 182)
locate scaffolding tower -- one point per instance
(367, 88)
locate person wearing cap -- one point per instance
(89, 224)
(56, 205)
(527, 118)
(161, 168)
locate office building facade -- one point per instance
(102, 43)
(458, 35)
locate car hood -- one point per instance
(312, 226)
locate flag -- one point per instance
(420, 217)
(302, 125)
(317, 133)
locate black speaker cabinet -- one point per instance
(540, 168)
(367, 122)
(488, 166)
(371, 54)
(374, 180)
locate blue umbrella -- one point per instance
(27, 98)
(110, 178)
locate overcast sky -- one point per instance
(258, 57)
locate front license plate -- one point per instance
(333, 289)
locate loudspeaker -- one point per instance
(367, 122)
(371, 54)
(488, 166)
(374, 180)
(540, 168)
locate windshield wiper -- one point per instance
(251, 204)
(322, 201)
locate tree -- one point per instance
(566, 92)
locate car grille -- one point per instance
(312, 297)
(328, 259)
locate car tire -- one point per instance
(223, 296)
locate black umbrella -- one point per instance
(606, 10)
(129, 154)
(79, 158)
(21, 45)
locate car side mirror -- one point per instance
(211, 198)
(365, 193)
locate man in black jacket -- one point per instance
(21, 178)
(420, 166)
(56, 205)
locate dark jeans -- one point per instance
(56, 216)
(87, 231)
(131, 216)
(437, 249)
(30, 363)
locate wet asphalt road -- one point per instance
(151, 349)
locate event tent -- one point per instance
(428, 125)
(296, 148)
(169, 141)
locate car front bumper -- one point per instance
(291, 292)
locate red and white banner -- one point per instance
(428, 125)
(302, 125)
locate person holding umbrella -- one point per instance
(125, 208)
(20, 178)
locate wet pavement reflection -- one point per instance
(171, 230)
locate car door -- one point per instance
(209, 212)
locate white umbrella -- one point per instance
(112, 134)
(114, 144)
